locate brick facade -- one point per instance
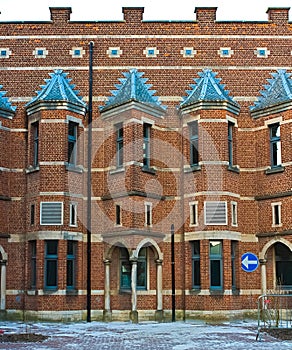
(43, 245)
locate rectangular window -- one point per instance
(51, 213)
(73, 214)
(196, 264)
(275, 145)
(215, 213)
(230, 143)
(51, 264)
(146, 145)
(33, 266)
(71, 264)
(119, 145)
(35, 151)
(142, 269)
(118, 215)
(194, 143)
(234, 214)
(193, 213)
(125, 274)
(216, 271)
(233, 263)
(32, 214)
(276, 214)
(148, 214)
(72, 143)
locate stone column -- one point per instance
(159, 312)
(263, 263)
(107, 314)
(134, 312)
(3, 285)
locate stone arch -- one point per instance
(118, 244)
(148, 242)
(269, 244)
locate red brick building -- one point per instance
(183, 142)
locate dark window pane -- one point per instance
(70, 273)
(196, 273)
(51, 273)
(52, 247)
(141, 274)
(215, 273)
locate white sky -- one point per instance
(91, 10)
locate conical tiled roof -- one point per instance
(6, 109)
(208, 92)
(57, 89)
(132, 88)
(276, 93)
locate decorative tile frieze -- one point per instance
(225, 52)
(5, 52)
(114, 52)
(40, 52)
(151, 52)
(188, 52)
(77, 52)
(262, 52)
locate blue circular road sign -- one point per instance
(249, 262)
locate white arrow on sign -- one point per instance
(246, 262)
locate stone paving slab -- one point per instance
(144, 336)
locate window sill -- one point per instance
(275, 170)
(50, 291)
(125, 291)
(32, 292)
(117, 171)
(216, 292)
(192, 168)
(233, 168)
(148, 170)
(32, 169)
(71, 292)
(195, 291)
(74, 168)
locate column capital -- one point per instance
(107, 261)
(263, 261)
(159, 261)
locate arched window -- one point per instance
(283, 261)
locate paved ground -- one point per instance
(123, 336)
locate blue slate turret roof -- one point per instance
(277, 95)
(57, 90)
(6, 109)
(133, 88)
(209, 93)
